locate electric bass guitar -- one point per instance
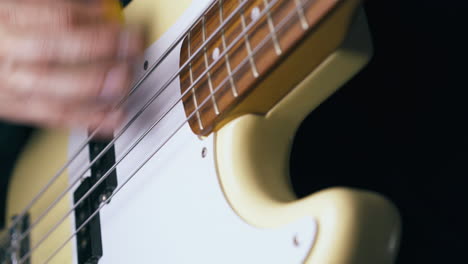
(198, 172)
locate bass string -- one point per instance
(279, 28)
(81, 147)
(135, 144)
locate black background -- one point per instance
(400, 127)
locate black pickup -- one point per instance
(89, 240)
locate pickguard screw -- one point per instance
(296, 241)
(204, 152)
(145, 65)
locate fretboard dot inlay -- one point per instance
(255, 14)
(216, 53)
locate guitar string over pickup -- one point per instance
(89, 239)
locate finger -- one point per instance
(72, 84)
(51, 15)
(45, 113)
(80, 45)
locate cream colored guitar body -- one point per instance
(225, 198)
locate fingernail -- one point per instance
(115, 81)
(130, 44)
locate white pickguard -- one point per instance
(173, 210)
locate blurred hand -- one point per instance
(63, 63)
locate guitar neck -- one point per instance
(234, 46)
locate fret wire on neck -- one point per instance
(223, 40)
(194, 95)
(271, 25)
(302, 17)
(210, 83)
(247, 43)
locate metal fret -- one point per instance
(228, 63)
(301, 14)
(274, 37)
(194, 96)
(210, 83)
(247, 45)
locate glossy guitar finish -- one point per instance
(224, 198)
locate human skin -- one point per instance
(64, 63)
